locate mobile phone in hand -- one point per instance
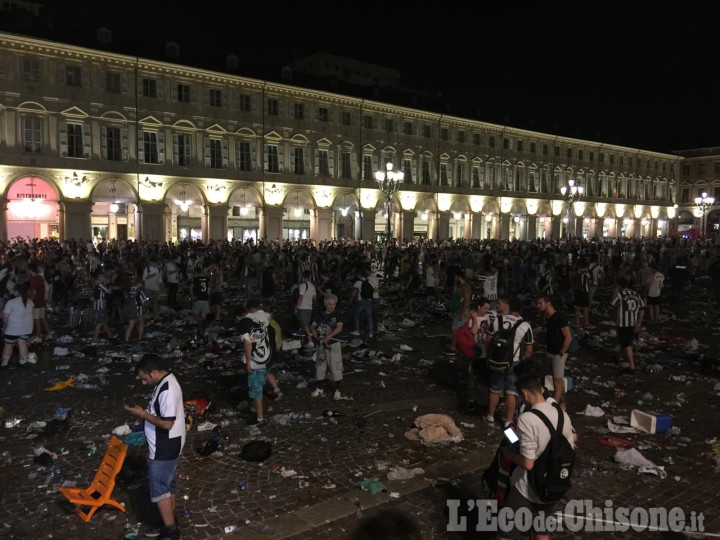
(511, 436)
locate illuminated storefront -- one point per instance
(32, 209)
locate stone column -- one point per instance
(408, 225)
(152, 222)
(469, 218)
(505, 226)
(443, 225)
(478, 222)
(314, 225)
(75, 219)
(324, 224)
(367, 229)
(532, 229)
(272, 225)
(579, 222)
(218, 221)
(556, 227)
(3, 218)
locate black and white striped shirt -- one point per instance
(99, 295)
(629, 304)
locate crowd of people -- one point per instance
(325, 291)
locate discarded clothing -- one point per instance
(434, 428)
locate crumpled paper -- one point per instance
(401, 473)
(633, 458)
(590, 410)
(616, 428)
(121, 431)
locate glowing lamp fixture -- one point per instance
(565, 220)
(703, 203)
(298, 212)
(425, 216)
(344, 212)
(244, 211)
(516, 219)
(114, 207)
(488, 218)
(457, 215)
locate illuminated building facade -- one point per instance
(100, 144)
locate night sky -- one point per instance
(616, 72)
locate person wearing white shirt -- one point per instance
(18, 318)
(655, 285)
(304, 306)
(151, 284)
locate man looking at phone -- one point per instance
(533, 436)
(164, 421)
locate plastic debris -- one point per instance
(136, 438)
(61, 385)
(590, 410)
(401, 473)
(631, 457)
(372, 486)
(287, 473)
(60, 351)
(121, 431)
(404, 347)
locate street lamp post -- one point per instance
(703, 203)
(572, 194)
(389, 182)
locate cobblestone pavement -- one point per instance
(336, 451)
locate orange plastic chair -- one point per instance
(98, 494)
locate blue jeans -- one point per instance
(363, 311)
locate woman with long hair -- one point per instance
(18, 319)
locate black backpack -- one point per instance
(366, 290)
(256, 451)
(550, 475)
(502, 347)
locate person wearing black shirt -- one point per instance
(558, 342)
(200, 294)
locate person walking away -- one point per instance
(503, 382)
(534, 437)
(133, 310)
(253, 329)
(151, 285)
(581, 280)
(17, 317)
(304, 305)
(558, 342)
(38, 294)
(597, 274)
(460, 304)
(173, 279)
(363, 296)
(164, 425)
(200, 294)
(100, 308)
(630, 313)
(656, 279)
(325, 327)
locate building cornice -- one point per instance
(55, 49)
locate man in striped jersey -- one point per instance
(100, 294)
(631, 310)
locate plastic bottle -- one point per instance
(262, 528)
(328, 412)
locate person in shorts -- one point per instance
(253, 328)
(504, 383)
(325, 327)
(164, 423)
(304, 305)
(37, 293)
(17, 316)
(200, 294)
(558, 340)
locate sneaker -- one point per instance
(489, 419)
(49, 337)
(317, 392)
(339, 397)
(260, 422)
(5, 362)
(206, 426)
(153, 532)
(32, 358)
(23, 361)
(277, 394)
(34, 340)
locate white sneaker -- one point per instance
(206, 426)
(317, 392)
(339, 397)
(23, 361)
(278, 395)
(32, 358)
(490, 419)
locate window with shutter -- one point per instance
(426, 172)
(345, 167)
(111, 146)
(87, 141)
(161, 147)
(323, 165)
(242, 149)
(444, 174)
(208, 152)
(225, 154)
(74, 143)
(149, 87)
(182, 92)
(32, 134)
(113, 82)
(475, 176)
(31, 70)
(216, 157)
(125, 152)
(150, 147)
(298, 163)
(331, 162)
(272, 164)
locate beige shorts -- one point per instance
(38, 313)
(558, 365)
(332, 358)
